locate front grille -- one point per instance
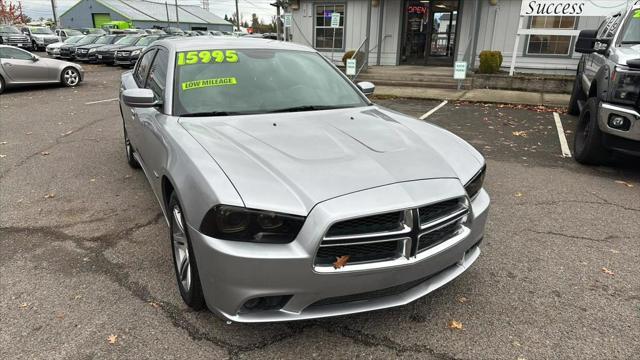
(439, 210)
(359, 253)
(438, 236)
(366, 225)
(122, 54)
(393, 235)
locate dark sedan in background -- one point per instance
(68, 51)
(127, 56)
(106, 54)
(87, 52)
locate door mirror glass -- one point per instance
(588, 42)
(366, 87)
(139, 98)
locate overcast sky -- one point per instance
(42, 8)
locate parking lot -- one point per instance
(86, 268)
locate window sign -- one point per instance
(460, 70)
(287, 20)
(572, 7)
(351, 67)
(335, 20)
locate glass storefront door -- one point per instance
(429, 32)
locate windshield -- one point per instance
(73, 39)
(147, 40)
(89, 39)
(9, 30)
(631, 34)
(128, 40)
(71, 32)
(40, 30)
(106, 39)
(226, 82)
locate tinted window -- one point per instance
(9, 30)
(11, 53)
(158, 73)
(142, 68)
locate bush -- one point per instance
(490, 62)
(359, 57)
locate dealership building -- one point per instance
(142, 14)
(540, 34)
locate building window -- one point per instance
(324, 33)
(551, 44)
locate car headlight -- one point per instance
(92, 50)
(135, 52)
(475, 184)
(241, 224)
(626, 85)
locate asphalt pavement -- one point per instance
(86, 272)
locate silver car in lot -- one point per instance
(288, 194)
(20, 67)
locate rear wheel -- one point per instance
(70, 77)
(2, 85)
(184, 261)
(587, 146)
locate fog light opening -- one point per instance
(265, 303)
(619, 122)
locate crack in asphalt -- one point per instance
(560, 202)
(576, 237)
(57, 142)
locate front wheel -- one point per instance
(128, 148)
(184, 261)
(70, 77)
(577, 95)
(587, 145)
(2, 85)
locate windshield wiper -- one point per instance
(304, 108)
(210, 113)
(630, 42)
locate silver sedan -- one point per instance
(20, 67)
(288, 194)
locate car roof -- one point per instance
(209, 42)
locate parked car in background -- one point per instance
(106, 54)
(215, 33)
(174, 31)
(88, 52)
(63, 34)
(68, 51)
(20, 67)
(191, 33)
(54, 49)
(40, 36)
(87, 31)
(127, 56)
(121, 25)
(11, 35)
(606, 92)
(289, 195)
(155, 32)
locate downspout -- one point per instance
(366, 48)
(380, 28)
(472, 61)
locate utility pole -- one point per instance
(177, 18)
(53, 9)
(167, 8)
(237, 16)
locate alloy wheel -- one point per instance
(181, 249)
(71, 77)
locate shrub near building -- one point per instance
(490, 62)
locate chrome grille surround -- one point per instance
(443, 224)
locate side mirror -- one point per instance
(35, 58)
(588, 42)
(139, 98)
(366, 87)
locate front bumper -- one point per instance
(125, 60)
(620, 140)
(232, 273)
(81, 56)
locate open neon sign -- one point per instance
(417, 10)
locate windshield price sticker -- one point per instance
(198, 84)
(207, 56)
(636, 14)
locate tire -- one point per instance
(128, 150)
(2, 85)
(184, 261)
(70, 77)
(577, 95)
(587, 145)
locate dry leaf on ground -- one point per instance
(462, 299)
(520, 133)
(44, 153)
(50, 195)
(518, 194)
(112, 339)
(624, 183)
(456, 325)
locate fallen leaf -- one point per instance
(92, 180)
(624, 183)
(112, 339)
(456, 325)
(60, 316)
(2, 156)
(341, 261)
(50, 195)
(44, 153)
(518, 194)
(607, 271)
(77, 297)
(154, 304)
(615, 251)
(462, 299)
(3, 143)
(24, 305)
(520, 133)
(29, 133)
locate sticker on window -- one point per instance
(636, 15)
(198, 84)
(207, 57)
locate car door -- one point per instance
(131, 115)
(20, 66)
(152, 119)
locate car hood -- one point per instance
(90, 46)
(55, 45)
(131, 48)
(625, 53)
(289, 162)
(111, 47)
(44, 36)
